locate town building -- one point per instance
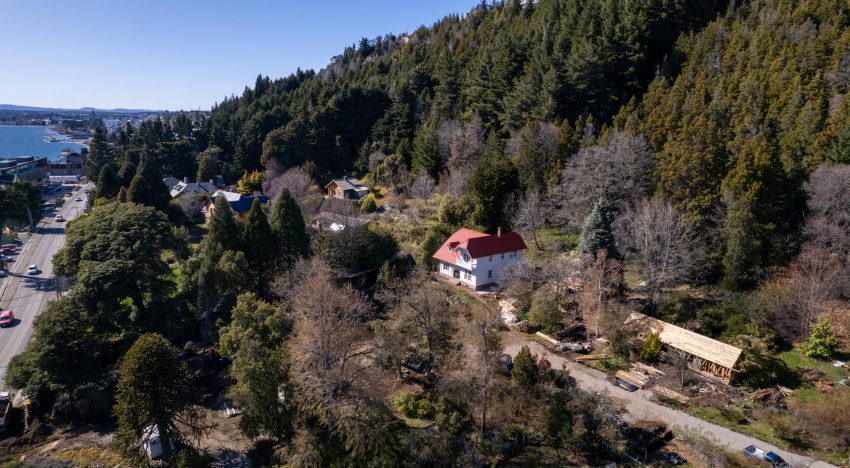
(68, 164)
(240, 204)
(24, 168)
(346, 188)
(178, 188)
(477, 259)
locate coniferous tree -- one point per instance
(122, 195)
(840, 151)
(287, 223)
(258, 242)
(146, 187)
(108, 183)
(223, 229)
(426, 152)
(493, 181)
(596, 232)
(99, 153)
(154, 389)
(249, 183)
(209, 164)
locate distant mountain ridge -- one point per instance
(13, 107)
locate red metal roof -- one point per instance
(478, 244)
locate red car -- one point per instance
(7, 318)
(7, 251)
(8, 246)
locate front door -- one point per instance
(456, 273)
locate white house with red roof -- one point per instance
(476, 258)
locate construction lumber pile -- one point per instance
(667, 393)
(638, 381)
(647, 369)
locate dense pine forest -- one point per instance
(737, 104)
(688, 160)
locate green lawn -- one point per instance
(758, 429)
(611, 364)
(795, 360)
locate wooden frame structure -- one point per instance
(710, 356)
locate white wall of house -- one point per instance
(480, 271)
(488, 268)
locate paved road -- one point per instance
(27, 295)
(639, 406)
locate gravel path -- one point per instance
(640, 407)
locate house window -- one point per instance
(465, 256)
(467, 276)
(489, 274)
(503, 256)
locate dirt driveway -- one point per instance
(640, 407)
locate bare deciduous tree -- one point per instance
(529, 216)
(665, 244)
(460, 147)
(453, 181)
(617, 169)
(828, 192)
(814, 276)
(679, 360)
(603, 281)
(330, 361)
(294, 179)
(423, 315)
(423, 187)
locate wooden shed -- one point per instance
(709, 355)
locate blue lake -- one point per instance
(32, 141)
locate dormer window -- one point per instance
(464, 255)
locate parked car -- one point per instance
(7, 258)
(86, 209)
(78, 199)
(9, 246)
(7, 318)
(59, 218)
(7, 251)
(754, 452)
(32, 270)
(2, 273)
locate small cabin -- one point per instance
(346, 188)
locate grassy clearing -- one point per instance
(795, 360)
(90, 457)
(612, 364)
(758, 429)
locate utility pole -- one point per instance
(29, 212)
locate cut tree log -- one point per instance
(592, 357)
(548, 338)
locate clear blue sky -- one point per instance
(173, 54)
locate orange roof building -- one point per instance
(476, 258)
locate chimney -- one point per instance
(185, 180)
(211, 182)
(499, 231)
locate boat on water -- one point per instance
(51, 139)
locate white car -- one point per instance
(78, 199)
(59, 218)
(32, 270)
